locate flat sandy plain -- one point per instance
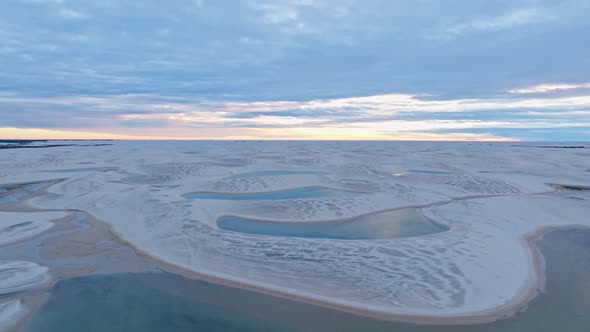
(494, 198)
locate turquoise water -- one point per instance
(296, 193)
(169, 303)
(219, 164)
(390, 224)
(81, 170)
(271, 173)
(421, 171)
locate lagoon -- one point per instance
(271, 173)
(295, 193)
(389, 224)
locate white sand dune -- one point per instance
(492, 196)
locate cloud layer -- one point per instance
(372, 69)
(390, 116)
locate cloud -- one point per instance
(549, 87)
(286, 14)
(70, 13)
(388, 113)
(288, 49)
(508, 20)
(276, 13)
(44, 1)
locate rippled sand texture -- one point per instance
(490, 196)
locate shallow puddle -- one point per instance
(295, 193)
(383, 225)
(422, 171)
(271, 173)
(220, 164)
(82, 170)
(3, 195)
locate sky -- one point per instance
(295, 69)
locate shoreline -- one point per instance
(519, 301)
(33, 303)
(481, 317)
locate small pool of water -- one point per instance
(295, 193)
(423, 171)
(271, 173)
(151, 302)
(383, 225)
(81, 170)
(220, 164)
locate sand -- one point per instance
(494, 198)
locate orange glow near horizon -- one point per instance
(36, 133)
(311, 133)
